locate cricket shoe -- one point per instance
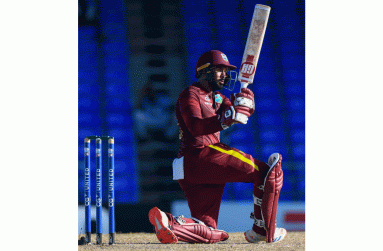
(253, 237)
(161, 224)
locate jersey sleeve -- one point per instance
(190, 109)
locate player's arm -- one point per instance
(191, 114)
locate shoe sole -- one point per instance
(278, 239)
(163, 233)
(252, 241)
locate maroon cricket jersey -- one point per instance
(197, 115)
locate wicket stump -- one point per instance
(87, 188)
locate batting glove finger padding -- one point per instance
(248, 92)
(244, 110)
(244, 99)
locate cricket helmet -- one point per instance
(210, 59)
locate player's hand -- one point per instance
(230, 116)
(243, 101)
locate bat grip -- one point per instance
(244, 85)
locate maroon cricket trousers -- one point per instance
(207, 170)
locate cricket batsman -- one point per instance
(204, 165)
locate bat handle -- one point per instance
(244, 85)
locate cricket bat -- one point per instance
(253, 44)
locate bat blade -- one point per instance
(253, 44)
